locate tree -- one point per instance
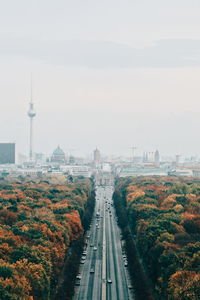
(184, 285)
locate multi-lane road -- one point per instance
(103, 270)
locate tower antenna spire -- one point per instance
(31, 88)
(31, 115)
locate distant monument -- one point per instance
(157, 158)
(97, 157)
(58, 156)
(71, 160)
(31, 114)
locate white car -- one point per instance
(82, 261)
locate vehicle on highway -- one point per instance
(78, 277)
(95, 248)
(82, 261)
(91, 270)
(91, 245)
(109, 280)
(130, 287)
(84, 252)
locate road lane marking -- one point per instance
(103, 294)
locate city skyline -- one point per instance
(99, 150)
(111, 84)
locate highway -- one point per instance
(103, 273)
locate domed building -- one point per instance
(58, 156)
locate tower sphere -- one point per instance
(31, 112)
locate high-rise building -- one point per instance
(145, 157)
(177, 159)
(31, 114)
(97, 156)
(157, 158)
(7, 153)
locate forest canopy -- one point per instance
(38, 222)
(163, 215)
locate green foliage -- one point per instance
(6, 272)
(38, 224)
(167, 229)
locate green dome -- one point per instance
(58, 151)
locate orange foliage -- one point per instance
(188, 216)
(7, 217)
(170, 201)
(75, 224)
(165, 221)
(134, 194)
(34, 226)
(185, 285)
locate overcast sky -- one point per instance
(107, 73)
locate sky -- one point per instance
(110, 74)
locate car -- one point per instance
(82, 261)
(95, 248)
(91, 245)
(77, 282)
(125, 264)
(130, 287)
(78, 277)
(91, 270)
(84, 252)
(109, 280)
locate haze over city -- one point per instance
(110, 74)
(99, 150)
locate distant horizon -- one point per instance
(104, 73)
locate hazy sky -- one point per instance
(108, 73)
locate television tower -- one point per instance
(31, 114)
